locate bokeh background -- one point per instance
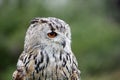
(95, 26)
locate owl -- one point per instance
(47, 53)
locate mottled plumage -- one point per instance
(47, 52)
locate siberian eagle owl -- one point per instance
(47, 53)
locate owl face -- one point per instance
(47, 31)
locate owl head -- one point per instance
(47, 31)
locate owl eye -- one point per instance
(52, 34)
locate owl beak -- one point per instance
(63, 44)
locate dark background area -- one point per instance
(95, 26)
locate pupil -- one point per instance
(52, 33)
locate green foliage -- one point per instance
(95, 35)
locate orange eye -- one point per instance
(52, 34)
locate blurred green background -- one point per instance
(95, 26)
